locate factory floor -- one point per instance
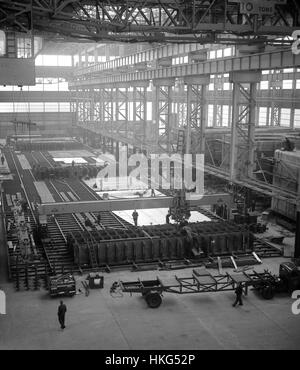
(193, 321)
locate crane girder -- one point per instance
(147, 20)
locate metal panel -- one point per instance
(15, 71)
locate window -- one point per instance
(51, 107)
(210, 115)
(262, 118)
(130, 111)
(50, 60)
(50, 84)
(227, 52)
(24, 47)
(287, 84)
(226, 115)
(39, 85)
(297, 118)
(6, 88)
(227, 86)
(211, 87)
(264, 85)
(21, 107)
(212, 54)
(64, 107)
(6, 107)
(65, 60)
(2, 43)
(63, 85)
(219, 53)
(285, 117)
(149, 111)
(36, 107)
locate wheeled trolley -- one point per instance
(202, 281)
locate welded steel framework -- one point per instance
(242, 143)
(237, 145)
(163, 113)
(196, 113)
(200, 21)
(140, 113)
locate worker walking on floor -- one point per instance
(62, 309)
(239, 293)
(135, 216)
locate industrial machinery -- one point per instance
(202, 281)
(62, 285)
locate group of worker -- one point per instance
(135, 216)
(62, 308)
(88, 222)
(81, 171)
(2, 158)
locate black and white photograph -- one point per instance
(149, 178)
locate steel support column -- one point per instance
(140, 111)
(243, 123)
(108, 108)
(196, 111)
(297, 239)
(120, 126)
(163, 111)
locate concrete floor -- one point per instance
(193, 321)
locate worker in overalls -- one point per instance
(61, 313)
(135, 216)
(2, 159)
(238, 293)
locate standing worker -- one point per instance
(99, 218)
(62, 309)
(239, 293)
(2, 159)
(168, 217)
(135, 216)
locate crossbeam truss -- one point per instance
(200, 21)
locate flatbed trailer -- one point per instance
(201, 281)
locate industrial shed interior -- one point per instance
(150, 152)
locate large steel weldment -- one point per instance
(164, 242)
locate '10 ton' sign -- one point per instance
(260, 7)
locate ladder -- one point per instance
(180, 141)
(92, 254)
(11, 47)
